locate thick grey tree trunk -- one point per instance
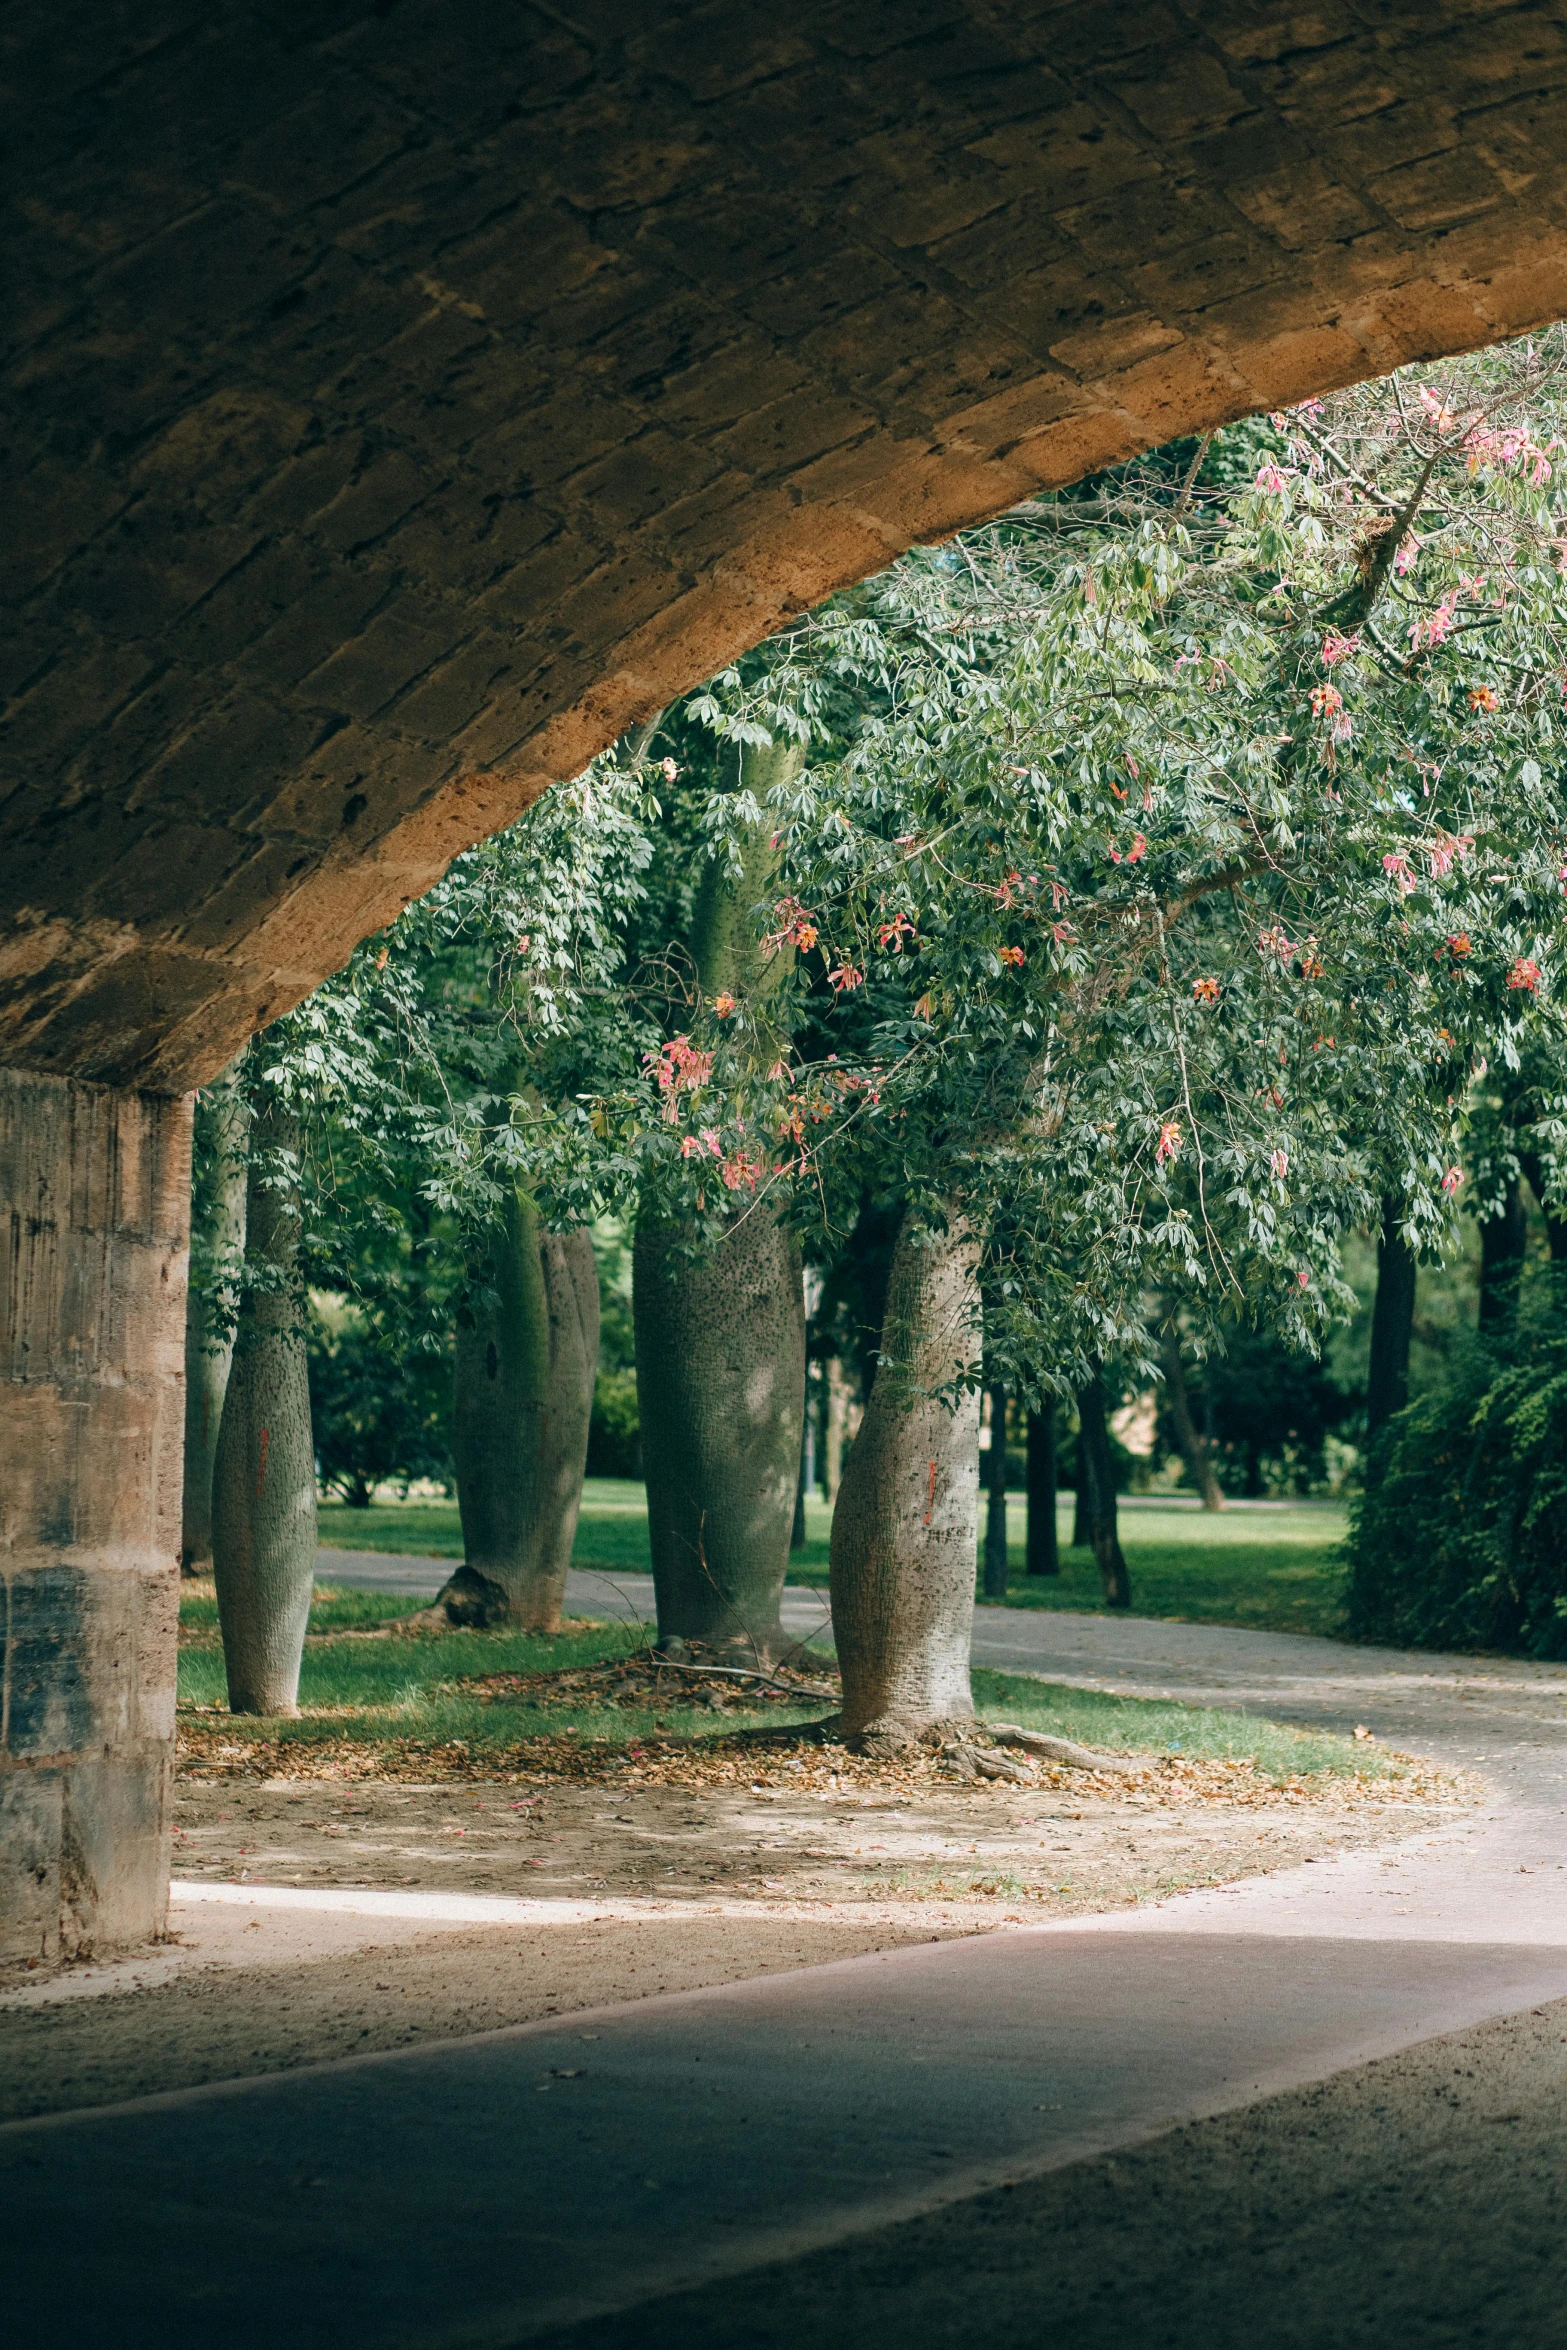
(1392, 1324)
(904, 1530)
(522, 1400)
(1195, 1453)
(264, 1481)
(721, 1344)
(217, 1248)
(721, 1392)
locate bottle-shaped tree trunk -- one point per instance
(217, 1249)
(995, 1467)
(1392, 1324)
(721, 1341)
(1097, 1479)
(264, 1480)
(1043, 1556)
(522, 1398)
(1194, 1450)
(721, 1393)
(903, 1533)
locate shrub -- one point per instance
(615, 1430)
(1460, 1540)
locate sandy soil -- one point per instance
(1420, 2201)
(1047, 1851)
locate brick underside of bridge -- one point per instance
(402, 399)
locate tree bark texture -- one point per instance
(1503, 1240)
(996, 1498)
(1194, 1452)
(903, 1533)
(525, 1358)
(721, 1391)
(837, 1417)
(723, 935)
(217, 1242)
(1392, 1323)
(1044, 1552)
(1098, 1481)
(264, 1478)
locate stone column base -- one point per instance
(94, 1200)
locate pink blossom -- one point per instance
(1452, 1179)
(1280, 1163)
(1338, 648)
(1170, 1140)
(1269, 478)
(1524, 974)
(1402, 871)
(711, 1142)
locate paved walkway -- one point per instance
(488, 2190)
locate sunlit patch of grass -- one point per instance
(1144, 1725)
(410, 1687)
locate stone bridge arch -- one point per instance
(402, 398)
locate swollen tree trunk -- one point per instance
(522, 1399)
(721, 1343)
(1392, 1324)
(264, 1478)
(217, 1248)
(1044, 1553)
(903, 1533)
(996, 1497)
(1093, 1447)
(1194, 1452)
(1503, 1240)
(721, 1393)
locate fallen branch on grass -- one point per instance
(1066, 1751)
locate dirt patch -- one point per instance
(816, 1835)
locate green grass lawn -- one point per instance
(1272, 1570)
(402, 1689)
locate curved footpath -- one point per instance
(438, 2196)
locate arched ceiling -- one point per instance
(402, 398)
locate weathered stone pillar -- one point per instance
(94, 1201)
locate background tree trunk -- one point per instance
(1392, 1324)
(264, 1480)
(903, 1533)
(1555, 1223)
(571, 1292)
(522, 1400)
(996, 1497)
(1094, 1451)
(837, 1423)
(1082, 1503)
(1195, 1453)
(1044, 1553)
(721, 1388)
(797, 1522)
(217, 1247)
(1503, 1240)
